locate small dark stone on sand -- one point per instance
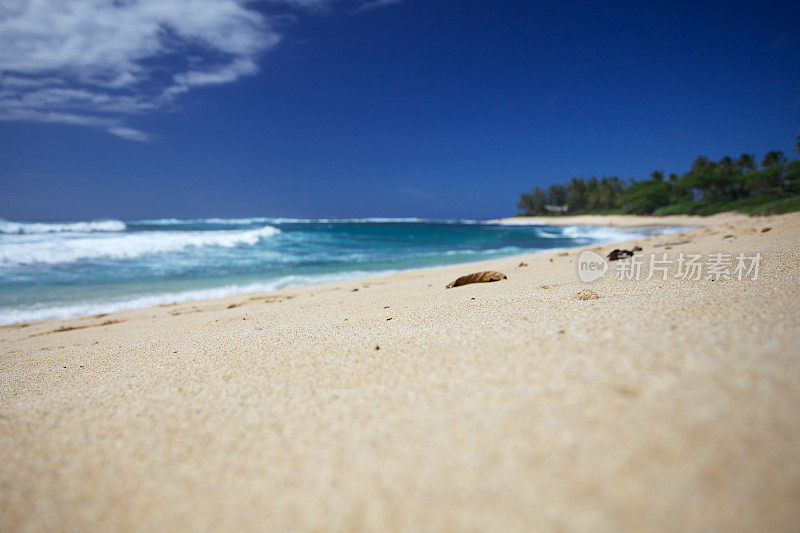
(766, 229)
(354, 290)
(523, 264)
(617, 254)
(388, 319)
(637, 248)
(377, 347)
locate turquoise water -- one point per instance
(60, 270)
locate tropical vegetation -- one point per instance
(771, 185)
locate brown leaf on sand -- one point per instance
(477, 277)
(587, 294)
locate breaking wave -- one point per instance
(61, 227)
(591, 234)
(50, 251)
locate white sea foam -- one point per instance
(505, 250)
(217, 221)
(160, 221)
(9, 227)
(598, 233)
(46, 311)
(42, 249)
(236, 221)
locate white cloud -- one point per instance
(128, 133)
(94, 62)
(374, 4)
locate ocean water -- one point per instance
(67, 269)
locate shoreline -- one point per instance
(117, 306)
(392, 402)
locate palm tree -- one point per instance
(772, 159)
(746, 162)
(701, 162)
(576, 194)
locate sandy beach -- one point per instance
(620, 221)
(394, 403)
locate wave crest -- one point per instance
(7, 226)
(591, 234)
(49, 251)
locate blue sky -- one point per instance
(326, 108)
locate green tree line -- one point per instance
(745, 184)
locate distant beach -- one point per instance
(655, 402)
(618, 221)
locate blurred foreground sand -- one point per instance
(660, 405)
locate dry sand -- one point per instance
(661, 405)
